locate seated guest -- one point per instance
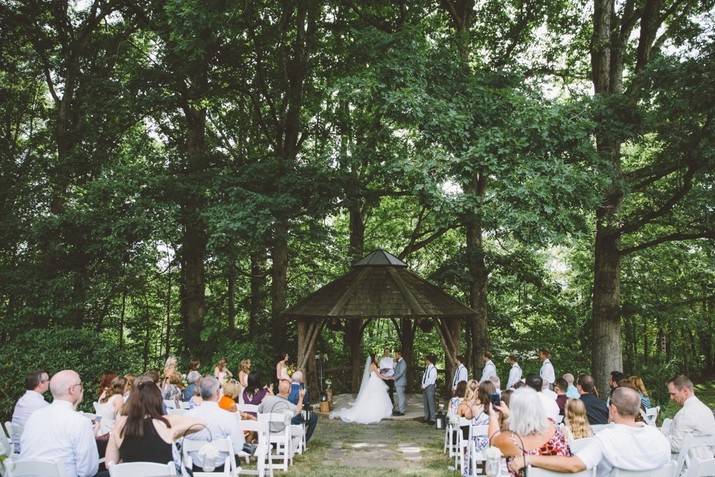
(613, 382)
(36, 384)
(192, 379)
(57, 433)
(503, 420)
(143, 433)
(295, 386)
(243, 371)
(129, 380)
(105, 383)
(531, 432)
(596, 409)
(454, 402)
(497, 383)
(576, 420)
(221, 372)
(560, 388)
(642, 390)
(628, 445)
(196, 400)
(571, 391)
(280, 403)
(546, 396)
(478, 404)
(220, 423)
(255, 391)
(110, 406)
(228, 401)
(171, 387)
(693, 418)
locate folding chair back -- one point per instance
(700, 468)
(689, 443)
(221, 445)
(536, 472)
(142, 469)
(668, 470)
(34, 468)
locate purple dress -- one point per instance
(255, 399)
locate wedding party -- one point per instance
(338, 238)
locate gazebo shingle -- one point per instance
(379, 286)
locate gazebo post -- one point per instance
(302, 330)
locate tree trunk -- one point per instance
(231, 291)
(606, 332)
(257, 278)
(279, 285)
(122, 314)
(479, 278)
(353, 327)
(168, 315)
(353, 343)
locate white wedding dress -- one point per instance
(372, 403)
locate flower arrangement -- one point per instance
(290, 369)
(328, 383)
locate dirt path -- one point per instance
(391, 448)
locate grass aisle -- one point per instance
(406, 448)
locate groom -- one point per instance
(400, 379)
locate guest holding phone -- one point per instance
(476, 407)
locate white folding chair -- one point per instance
(450, 435)
(221, 445)
(142, 469)
(34, 468)
(248, 408)
(578, 444)
(476, 457)
(536, 472)
(6, 447)
(462, 444)
(281, 438)
(700, 468)
(689, 443)
(263, 451)
(169, 404)
(650, 415)
(13, 434)
(668, 470)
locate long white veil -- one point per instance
(365, 376)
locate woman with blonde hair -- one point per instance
(244, 370)
(221, 371)
(642, 390)
(576, 420)
(476, 408)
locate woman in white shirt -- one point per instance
(110, 405)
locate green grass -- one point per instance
(390, 448)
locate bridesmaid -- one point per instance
(282, 367)
(243, 371)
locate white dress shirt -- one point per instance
(488, 371)
(430, 376)
(387, 366)
(30, 402)
(514, 376)
(221, 424)
(58, 433)
(460, 374)
(547, 373)
(625, 447)
(694, 418)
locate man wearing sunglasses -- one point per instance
(58, 433)
(36, 384)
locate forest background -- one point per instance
(175, 173)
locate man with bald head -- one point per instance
(58, 433)
(280, 403)
(625, 444)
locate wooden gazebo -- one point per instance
(379, 286)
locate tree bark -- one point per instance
(231, 292)
(279, 284)
(353, 327)
(257, 291)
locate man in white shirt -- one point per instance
(221, 424)
(694, 417)
(429, 380)
(547, 373)
(58, 433)
(626, 445)
(460, 373)
(489, 369)
(36, 384)
(514, 372)
(548, 401)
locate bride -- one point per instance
(372, 403)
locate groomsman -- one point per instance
(400, 380)
(460, 374)
(489, 368)
(547, 373)
(429, 380)
(514, 372)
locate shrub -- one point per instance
(54, 349)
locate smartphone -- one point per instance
(495, 399)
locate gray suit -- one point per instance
(400, 384)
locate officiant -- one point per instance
(387, 369)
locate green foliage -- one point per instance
(55, 349)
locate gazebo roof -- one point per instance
(379, 286)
